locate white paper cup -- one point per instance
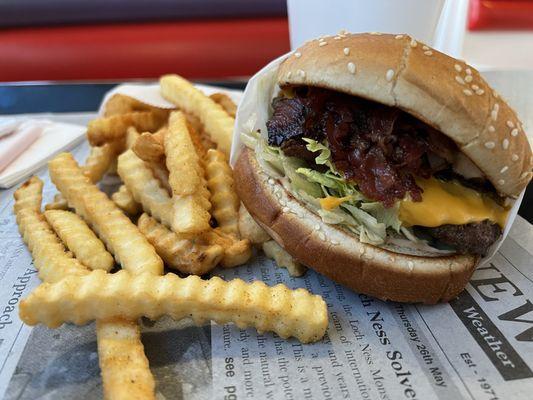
(438, 23)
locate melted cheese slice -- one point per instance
(450, 203)
(330, 202)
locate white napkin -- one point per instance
(8, 126)
(50, 138)
(14, 143)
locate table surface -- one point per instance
(55, 97)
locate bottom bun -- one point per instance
(340, 255)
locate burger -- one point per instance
(383, 164)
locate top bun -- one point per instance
(443, 92)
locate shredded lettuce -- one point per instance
(324, 158)
(364, 217)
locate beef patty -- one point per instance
(474, 238)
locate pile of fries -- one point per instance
(176, 207)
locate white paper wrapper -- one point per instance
(151, 95)
(253, 114)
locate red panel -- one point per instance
(500, 15)
(195, 49)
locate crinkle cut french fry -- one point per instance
(80, 239)
(225, 102)
(283, 259)
(216, 122)
(182, 160)
(125, 201)
(195, 126)
(249, 229)
(100, 295)
(236, 252)
(145, 188)
(190, 196)
(59, 203)
(99, 161)
(132, 134)
(125, 369)
(111, 129)
(149, 148)
(49, 255)
(122, 104)
(160, 172)
(197, 141)
(185, 253)
(190, 215)
(29, 195)
(121, 236)
(224, 200)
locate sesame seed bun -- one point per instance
(442, 91)
(340, 255)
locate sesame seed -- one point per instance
(398, 36)
(351, 67)
(468, 78)
(475, 87)
(362, 250)
(479, 92)
(410, 265)
(301, 72)
(505, 144)
(413, 43)
(510, 124)
(428, 53)
(495, 94)
(514, 132)
(317, 227)
(322, 236)
(468, 71)
(322, 44)
(505, 168)
(285, 209)
(389, 75)
(321, 39)
(289, 74)
(501, 181)
(496, 107)
(425, 48)
(337, 38)
(346, 51)
(458, 67)
(459, 79)
(335, 243)
(494, 115)
(467, 92)
(514, 157)
(524, 175)
(490, 145)
(271, 181)
(491, 128)
(297, 54)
